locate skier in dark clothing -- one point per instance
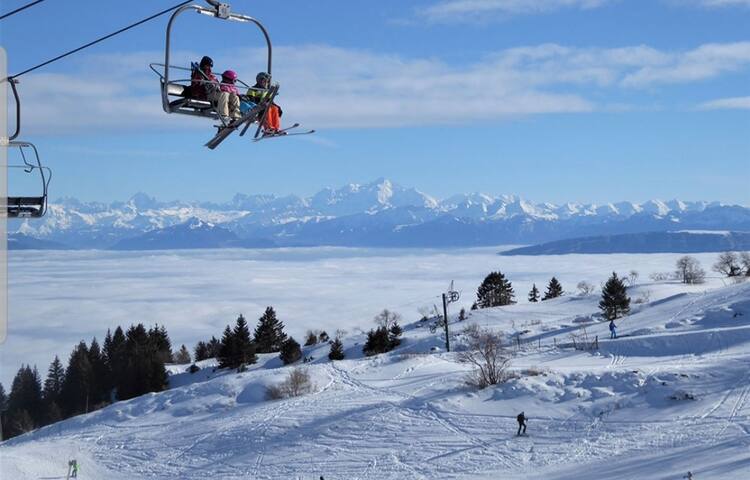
(521, 423)
(612, 329)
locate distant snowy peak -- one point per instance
(371, 197)
(655, 207)
(141, 201)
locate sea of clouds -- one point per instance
(58, 298)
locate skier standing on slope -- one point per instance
(521, 418)
(73, 469)
(612, 329)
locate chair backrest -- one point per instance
(177, 90)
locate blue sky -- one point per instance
(553, 100)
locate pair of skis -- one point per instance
(282, 133)
(257, 113)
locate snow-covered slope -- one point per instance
(372, 215)
(671, 395)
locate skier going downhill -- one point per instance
(521, 423)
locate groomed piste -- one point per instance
(670, 396)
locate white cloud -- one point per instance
(324, 86)
(472, 10)
(705, 62)
(452, 11)
(734, 103)
(720, 3)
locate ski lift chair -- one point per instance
(28, 206)
(24, 206)
(175, 93)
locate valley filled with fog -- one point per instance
(58, 298)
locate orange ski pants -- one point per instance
(273, 119)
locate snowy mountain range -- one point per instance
(377, 214)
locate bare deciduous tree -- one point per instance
(387, 319)
(182, 357)
(661, 276)
(745, 259)
(585, 288)
(633, 277)
(644, 297)
(297, 383)
(689, 270)
(728, 264)
(485, 351)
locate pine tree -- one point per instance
(76, 389)
(554, 289)
(337, 350)
(25, 407)
(115, 358)
(311, 338)
(20, 422)
(3, 399)
(290, 351)
(495, 291)
(269, 334)
(52, 413)
(201, 351)
(244, 346)
(394, 336)
(99, 373)
(3, 408)
(214, 345)
(227, 351)
(54, 382)
(378, 341)
(52, 391)
(160, 339)
(183, 356)
(615, 301)
(534, 294)
(145, 356)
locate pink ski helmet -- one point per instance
(229, 76)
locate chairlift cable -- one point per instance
(19, 9)
(101, 39)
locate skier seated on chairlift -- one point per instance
(205, 86)
(612, 329)
(255, 95)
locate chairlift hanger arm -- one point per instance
(12, 81)
(219, 10)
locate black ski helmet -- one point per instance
(262, 76)
(207, 61)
